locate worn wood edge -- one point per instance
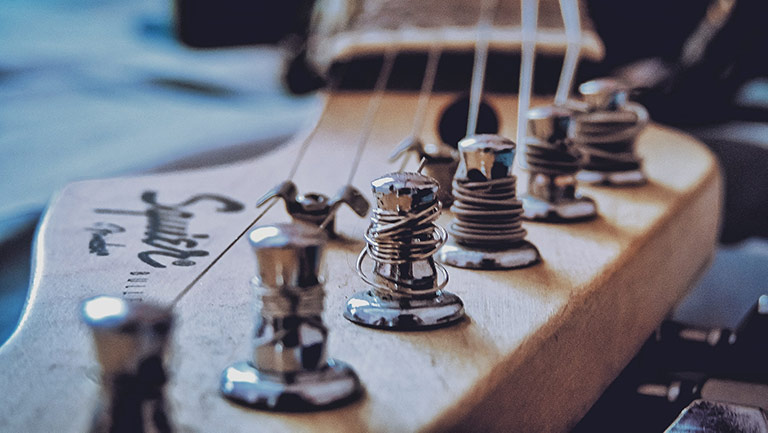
(495, 401)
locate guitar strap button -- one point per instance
(289, 369)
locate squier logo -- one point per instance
(167, 230)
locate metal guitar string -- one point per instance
(608, 137)
(481, 60)
(553, 159)
(572, 23)
(529, 15)
(395, 239)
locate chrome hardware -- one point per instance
(315, 208)
(487, 228)
(440, 162)
(406, 283)
(130, 341)
(553, 161)
(289, 369)
(606, 132)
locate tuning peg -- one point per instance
(315, 208)
(553, 162)
(406, 283)
(606, 132)
(487, 229)
(440, 162)
(289, 370)
(130, 341)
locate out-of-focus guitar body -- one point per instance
(538, 347)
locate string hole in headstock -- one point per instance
(453, 122)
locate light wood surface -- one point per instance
(538, 347)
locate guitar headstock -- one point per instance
(537, 345)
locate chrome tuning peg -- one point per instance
(289, 369)
(440, 162)
(406, 283)
(315, 208)
(606, 132)
(553, 161)
(130, 341)
(487, 228)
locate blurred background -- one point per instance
(103, 88)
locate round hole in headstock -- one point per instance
(453, 122)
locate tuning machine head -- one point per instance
(316, 208)
(289, 370)
(606, 132)
(130, 341)
(553, 161)
(440, 162)
(487, 231)
(406, 284)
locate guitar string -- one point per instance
(529, 15)
(572, 23)
(373, 106)
(481, 59)
(308, 139)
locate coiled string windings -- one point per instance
(394, 239)
(553, 159)
(608, 137)
(487, 213)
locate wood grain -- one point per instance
(537, 348)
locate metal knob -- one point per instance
(485, 157)
(130, 341)
(553, 161)
(289, 369)
(440, 162)
(604, 94)
(401, 241)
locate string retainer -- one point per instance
(553, 161)
(130, 340)
(289, 369)
(440, 163)
(406, 284)
(316, 208)
(606, 131)
(487, 231)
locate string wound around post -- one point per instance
(553, 161)
(315, 208)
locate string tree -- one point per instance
(289, 369)
(439, 162)
(315, 208)
(406, 283)
(131, 341)
(486, 230)
(606, 131)
(553, 161)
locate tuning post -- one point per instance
(289, 369)
(406, 283)
(315, 208)
(606, 132)
(487, 229)
(130, 341)
(439, 162)
(553, 161)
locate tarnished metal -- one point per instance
(316, 208)
(130, 341)
(487, 231)
(553, 162)
(606, 132)
(289, 369)
(407, 285)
